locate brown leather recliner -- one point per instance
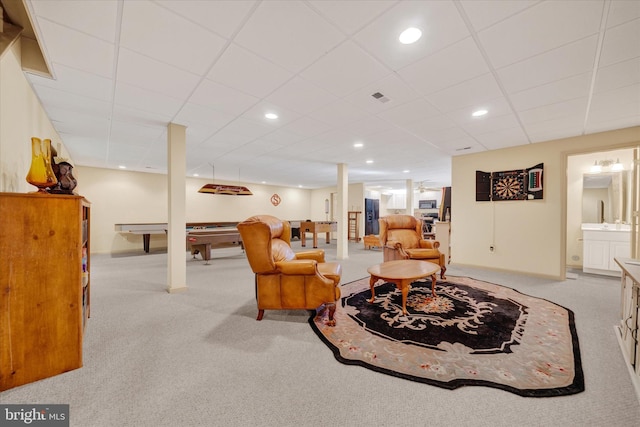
(286, 280)
(401, 238)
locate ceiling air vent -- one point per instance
(380, 97)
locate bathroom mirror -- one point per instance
(606, 197)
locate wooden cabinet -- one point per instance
(354, 225)
(629, 327)
(44, 284)
(601, 247)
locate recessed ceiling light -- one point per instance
(406, 171)
(358, 145)
(263, 182)
(271, 116)
(122, 167)
(479, 113)
(369, 161)
(195, 174)
(410, 35)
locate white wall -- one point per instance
(134, 197)
(529, 236)
(21, 117)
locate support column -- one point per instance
(342, 247)
(409, 198)
(177, 245)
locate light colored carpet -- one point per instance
(200, 358)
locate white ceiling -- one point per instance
(125, 69)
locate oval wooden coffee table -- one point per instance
(402, 273)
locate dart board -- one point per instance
(509, 186)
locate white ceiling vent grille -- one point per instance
(380, 97)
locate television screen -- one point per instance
(426, 204)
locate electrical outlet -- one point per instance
(492, 248)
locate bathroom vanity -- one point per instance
(601, 244)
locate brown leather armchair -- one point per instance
(401, 238)
(286, 280)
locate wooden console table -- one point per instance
(629, 327)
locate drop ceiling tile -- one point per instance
(621, 43)
(248, 128)
(301, 96)
(76, 82)
(55, 99)
(197, 114)
(470, 93)
(142, 99)
(257, 114)
(98, 19)
(522, 36)
(351, 16)
(307, 127)
(566, 61)
(283, 137)
(155, 76)
(426, 127)
(83, 125)
(227, 138)
(76, 50)
(396, 93)
(288, 33)
(133, 133)
(409, 112)
(503, 138)
(245, 71)
(344, 70)
(621, 11)
(483, 13)
(618, 75)
(440, 23)
(222, 17)
(620, 102)
(495, 107)
(552, 93)
(367, 126)
(575, 108)
(338, 113)
(186, 46)
(491, 124)
(222, 98)
(131, 114)
(452, 65)
(460, 146)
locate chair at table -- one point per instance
(286, 280)
(401, 238)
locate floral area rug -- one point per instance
(472, 333)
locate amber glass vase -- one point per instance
(41, 173)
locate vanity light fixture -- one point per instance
(410, 35)
(479, 113)
(617, 166)
(596, 168)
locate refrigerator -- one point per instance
(371, 215)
